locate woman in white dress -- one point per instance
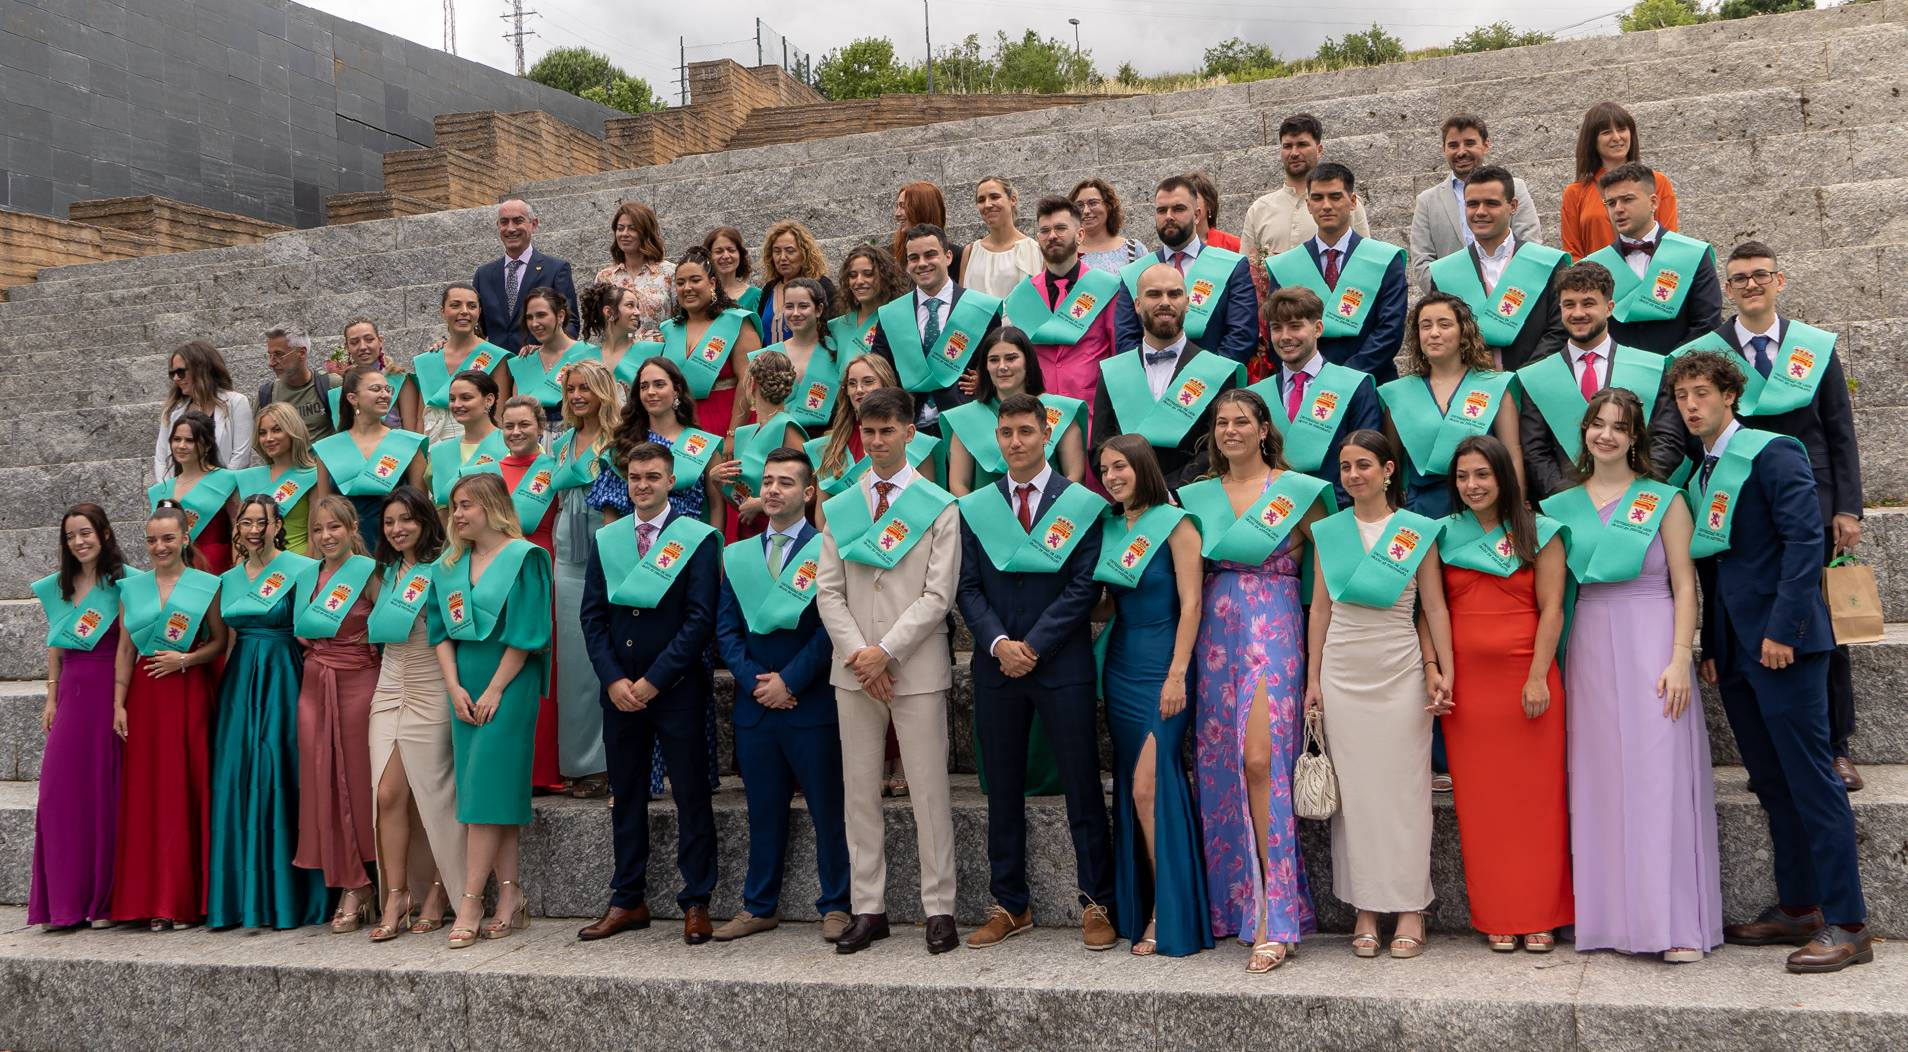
(997, 262)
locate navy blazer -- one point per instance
(1365, 411)
(1825, 427)
(1701, 313)
(1375, 350)
(1047, 611)
(665, 645)
(1767, 583)
(1181, 463)
(1548, 471)
(800, 654)
(1233, 329)
(503, 322)
(1543, 332)
(950, 396)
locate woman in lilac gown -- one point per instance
(1642, 802)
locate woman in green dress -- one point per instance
(584, 456)
(282, 465)
(475, 402)
(463, 350)
(1010, 367)
(251, 879)
(537, 370)
(493, 592)
(367, 459)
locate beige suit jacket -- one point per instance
(903, 610)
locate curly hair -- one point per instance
(889, 281)
(599, 299)
(1471, 349)
(814, 264)
(700, 257)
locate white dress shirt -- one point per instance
(1343, 246)
(657, 522)
(1160, 374)
(1601, 366)
(1722, 440)
(946, 298)
(1191, 248)
(1039, 483)
(1311, 369)
(1744, 334)
(1640, 261)
(1493, 263)
(793, 533)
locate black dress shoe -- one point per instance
(941, 936)
(1833, 949)
(867, 927)
(615, 922)
(1774, 927)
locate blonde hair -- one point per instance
(340, 508)
(286, 417)
(521, 402)
(499, 513)
(814, 264)
(834, 459)
(599, 381)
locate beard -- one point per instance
(1163, 327)
(1172, 234)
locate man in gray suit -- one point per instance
(1437, 219)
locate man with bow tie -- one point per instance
(1666, 288)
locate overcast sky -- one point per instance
(1157, 36)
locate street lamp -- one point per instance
(1075, 23)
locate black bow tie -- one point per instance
(1626, 246)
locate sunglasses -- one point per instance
(177, 374)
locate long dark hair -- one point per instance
(1378, 445)
(1599, 117)
(111, 565)
(708, 249)
(1634, 422)
(1036, 384)
(430, 528)
(633, 427)
(824, 305)
(275, 516)
(1272, 448)
(206, 377)
(486, 386)
(1149, 482)
(889, 280)
(348, 385)
(204, 435)
(559, 306)
(700, 257)
(1519, 523)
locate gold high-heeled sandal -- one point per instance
(519, 917)
(387, 932)
(425, 924)
(464, 937)
(346, 921)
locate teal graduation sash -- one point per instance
(242, 595)
(641, 581)
(702, 366)
(753, 444)
(405, 594)
(528, 377)
(927, 369)
(974, 423)
(174, 624)
(689, 457)
(324, 609)
(1501, 314)
(851, 339)
(334, 395)
(80, 624)
(859, 539)
(1431, 437)
(1374, 578)
(1205, 284)
(1465, 543)
(1601, 553)
(1043, 549)
(920, 448)
(812, 402)
(1090, 295)
(202, 502)
(1550, 383)
(357, 475)
(1800, 362)
(286, 490)
(772, 602)
(534, 492)
(448, 463)
(1250, 539)
(1715, 507)
(470, 611)
(1126, 550)
(569, 472)
(1348, 306)
(750, 299)
(631, 361)
(1309, 437)
(434, 374)
(1163, 421)
(1659, 294)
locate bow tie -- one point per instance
(1156, 357)
(1626, 246)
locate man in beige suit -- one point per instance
(890, 565)
(1438, 226)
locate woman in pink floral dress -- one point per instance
(640, 266)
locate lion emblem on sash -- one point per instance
(1403, 543)
(1053, 417)
(1511, 302)
(271, 584)
(868, 338)
(955, 347)
(1642, 508)
(1082, 306)
(712, 350)
(176, 626)
(1801, 363)
(385, 467)
(482, 361)
(1135, 552)
(1505, 549)
(1276, 511)
(1058, 533)
(1664, 289)
(816, 397)
(694, 445)
(340, 595)
(284, 491)
(892, 535)
(87, 624)
(805, 575)
(1200, 292)
(1349, 302)
(1476, 403)
(415, 587)
(1718, 510)
(668, 555)
(1191, 391)
(539, 482)
(192, 520)
(455, 604)
(1324, 404)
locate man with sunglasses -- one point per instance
(1796, 387)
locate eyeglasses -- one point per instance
(177, 374)
(1760, 277)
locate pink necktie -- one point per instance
(1179, 260)
(645, 536)
(1295, 395)
(1587, 383)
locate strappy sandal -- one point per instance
(1364, 944)
(461, 938)
(519, 917)
(1272, 953)
(425, 924)
(1405, 947)
(1502, 943)
(1540, 942)
(1682, 955)
(345, 921)
(1146, 945)
(386, 932)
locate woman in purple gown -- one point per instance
(75, 825)
(1642, 802)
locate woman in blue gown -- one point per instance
(1159, 880)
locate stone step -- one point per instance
(567, 858)
(787, 989)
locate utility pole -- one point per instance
(758, 41)
(517, 32)
(682, 69)
(1076, 36)
(450, 26)
(928, 32)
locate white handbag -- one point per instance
(1314, 782)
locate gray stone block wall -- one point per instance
(261, 107)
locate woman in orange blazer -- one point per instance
(1607, 138)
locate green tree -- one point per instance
(963, 68)
(862, 69)
(1661, 14)
(1747, 8)
(593, 76)
(1128, 74)
(1496, 37)
(1230, 58)
(1372, 47)
(1046, 66)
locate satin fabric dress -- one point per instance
(335, 832)
(76, 822)
(159, 866)
(410, 719)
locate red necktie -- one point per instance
(1179, 260)
(1026, 509)
(882, 489)
(1295, 395)
(1331, 268)
(1587, 383)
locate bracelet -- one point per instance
(1431, 664)
(1682, 646)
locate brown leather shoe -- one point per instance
(695, 925)
(862, 932)
(615, 922)
(834, 925)
(1000, 927)
(1774, 927)
(1097, 930)
(941, 934)
(1833, 949)
(1852, 778)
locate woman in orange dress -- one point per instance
(1606, 138)
(1504, 582)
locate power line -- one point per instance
(518, 33)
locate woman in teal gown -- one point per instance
(251, 881)
(1159, 883)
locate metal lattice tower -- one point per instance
(517, 32)
(450, 26)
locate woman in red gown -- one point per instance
(528, 471)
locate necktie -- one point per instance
(778, 550)
(1761, 346)
(513, 280)
(1156, 357)
(1025, 490)
(645, 536)
(882, 489)
(1057, 288)
(1295, 395)
(1179, 260)
(931, 330)
(1626, 246)
(1331, 268)
(1709, 465)
(1587, 383)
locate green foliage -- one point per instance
(1235, 57)
(863, 69)
(1748, 8)
(593, 76)
(1046, 66)
(1372, 47)
(1661, 14)
(1128, 75)
(1496, 37)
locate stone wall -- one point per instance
(824, 120)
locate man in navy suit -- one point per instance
(785, 728)
(1362, 278)
(502, 284)
(1315, 403)
(1222, 306)
(1029, 544)
(649, 611)
(931, 305)
(1766, 642)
